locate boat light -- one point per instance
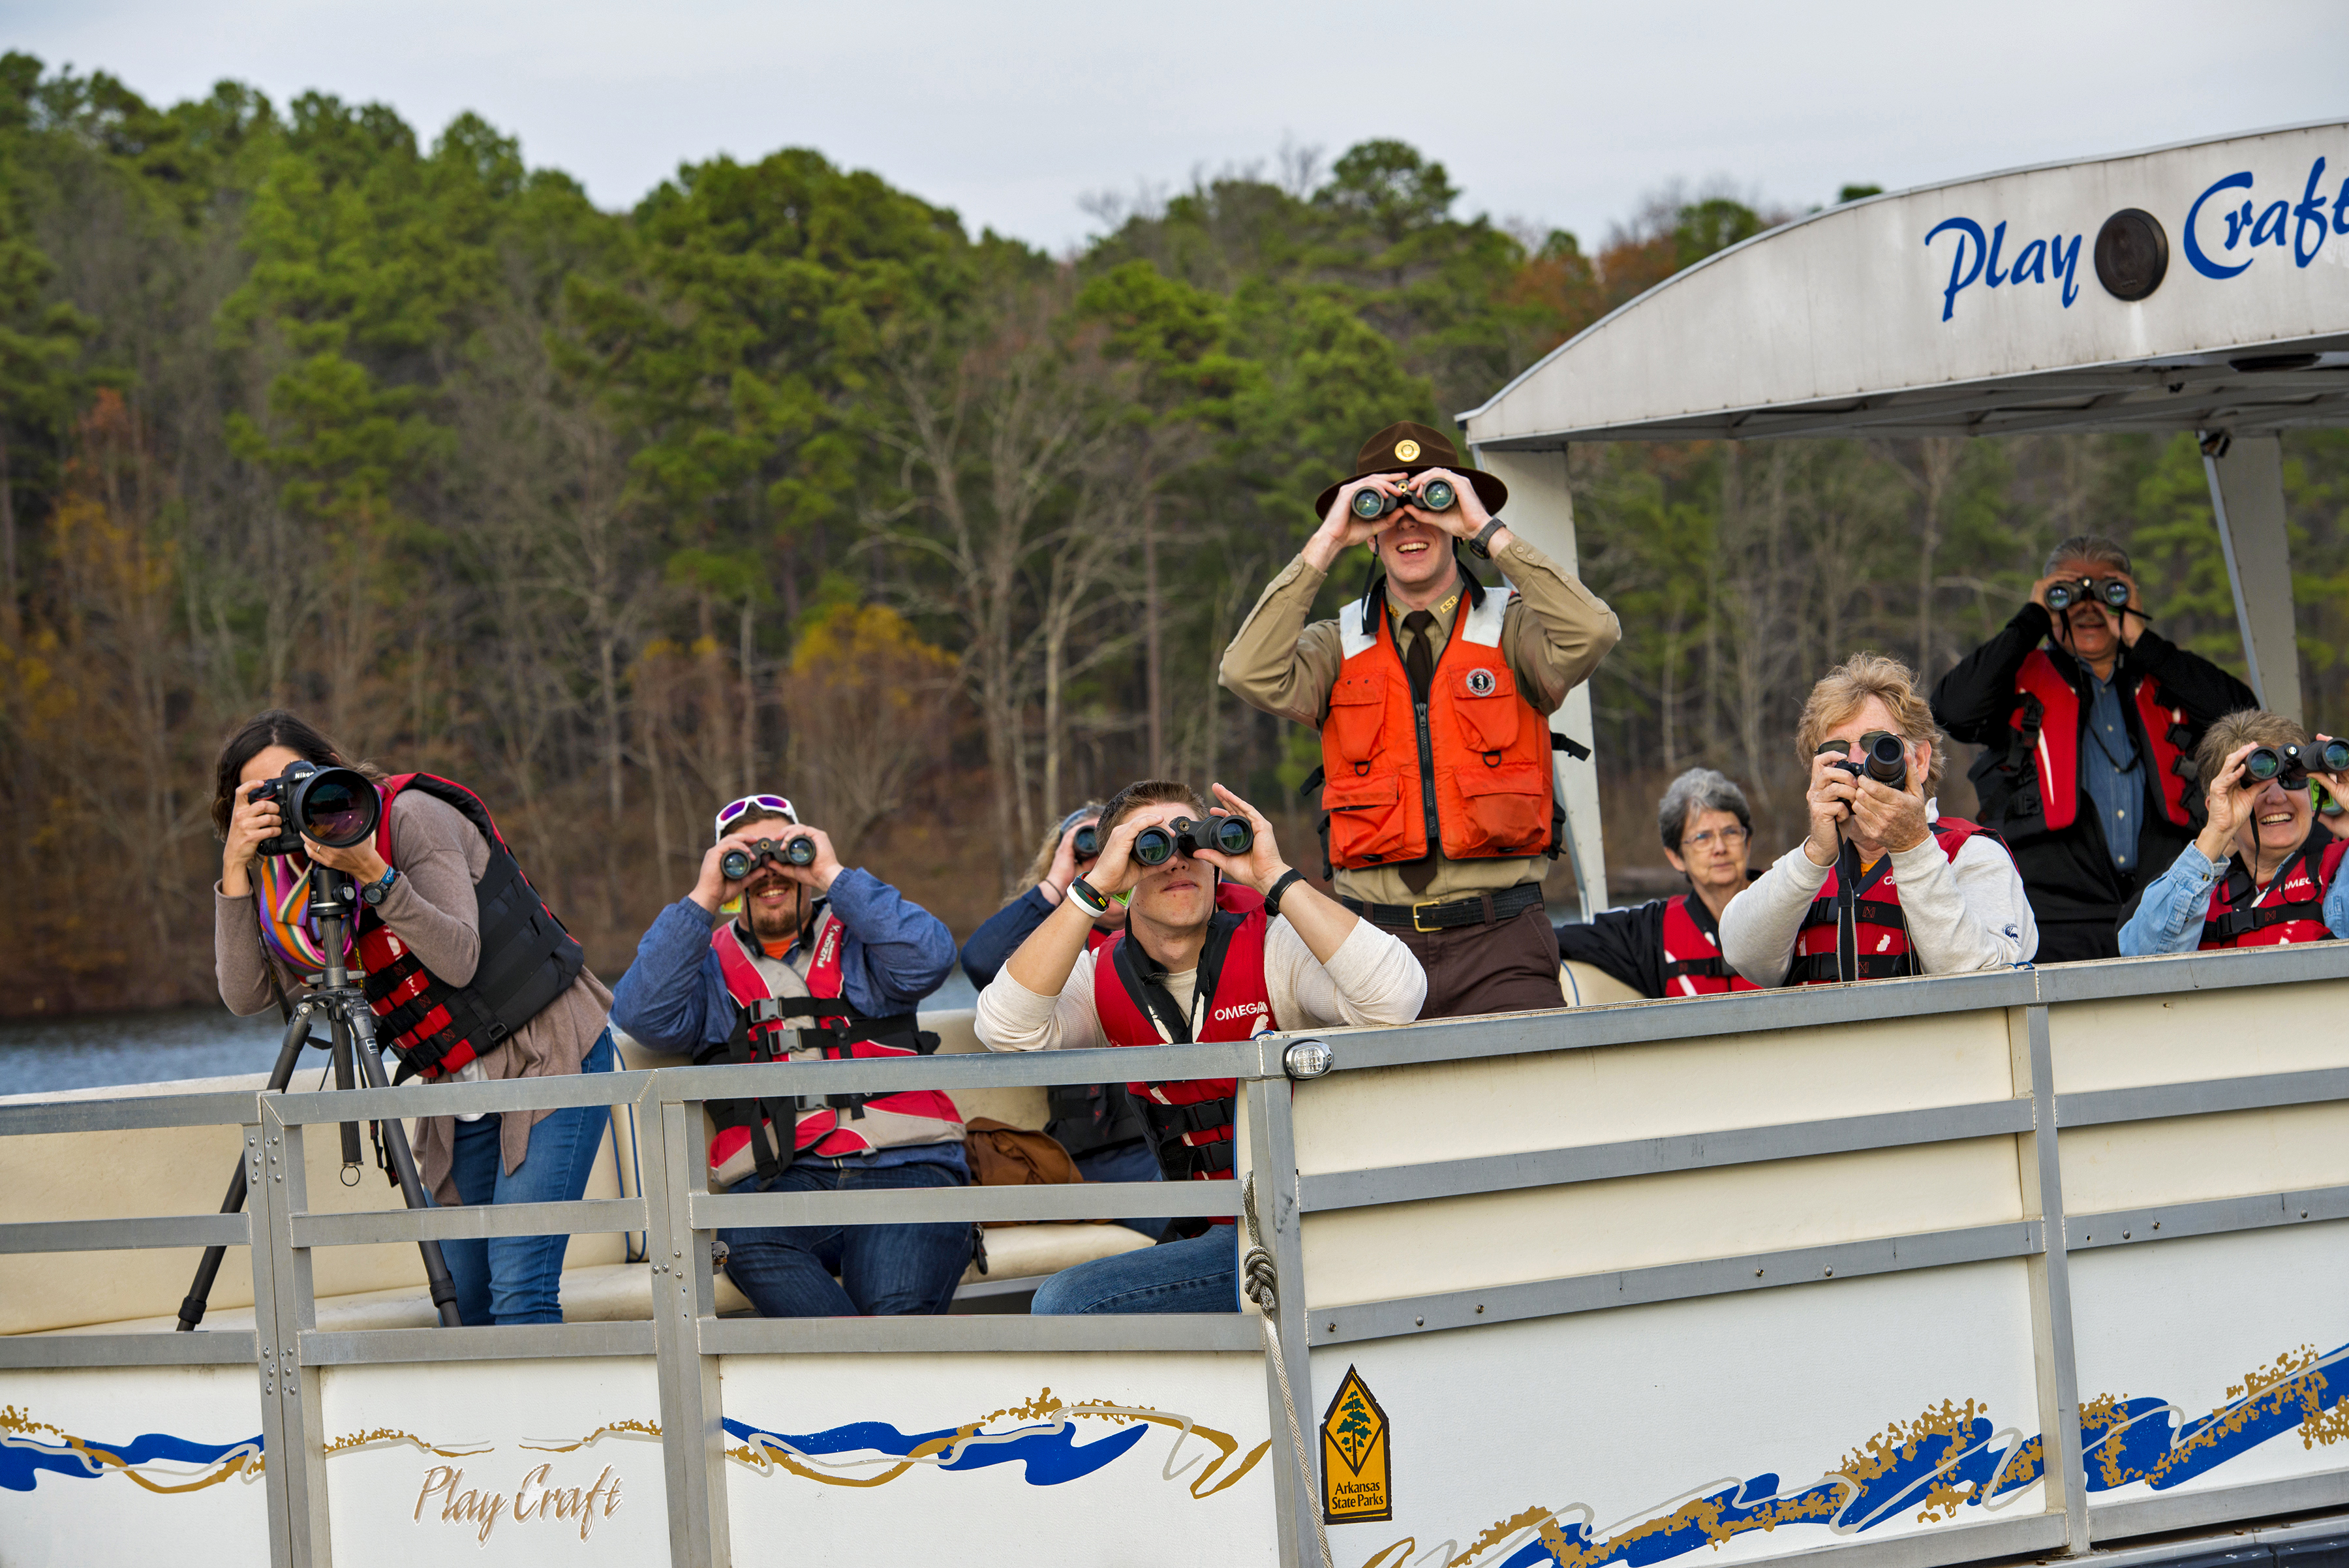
(1308, 1059)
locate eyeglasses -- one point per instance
(1727, 837)
(1860, 747)
(732, 811)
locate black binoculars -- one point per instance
(2291, 765)
(1436, 496)
(2112, 591)
(1224, 834)
(336, 806)
(1088, 844)
(1887, 760)
(796, 851)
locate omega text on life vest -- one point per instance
(535, 1499)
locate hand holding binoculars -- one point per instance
(2111, 592)
(2291, 765)
(1436, 496)
(798, 850)
(1155, 845)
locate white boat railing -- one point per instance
(1795, 1209)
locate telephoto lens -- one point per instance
(1088, 843)
(336, 806)
(1888, 761)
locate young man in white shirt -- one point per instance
(1217, 946)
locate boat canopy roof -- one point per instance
(2203, 286)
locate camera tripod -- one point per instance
(351, 1026)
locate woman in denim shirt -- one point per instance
(2260, 854)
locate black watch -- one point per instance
(373, 892)
(1483, 543)
(1272, 898)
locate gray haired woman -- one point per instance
(1671, 947)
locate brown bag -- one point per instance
(1001, 1155)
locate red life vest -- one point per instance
(1190, 1122)
(1692, 962)
(1880, 934)
(826, 1030)
(527, 959)
(2049, 718)
(2290, 908)
(1472, 774)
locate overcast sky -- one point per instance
(1554, 114)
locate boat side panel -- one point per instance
(1456, 1110)
(518, 1461)
(2210, 1363)
(108, 1464)
(2187, 1036)
(1152, 1458)
(1722, 1429)
(2182, 1159)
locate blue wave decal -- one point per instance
(1050, 1453)
(28, 1448)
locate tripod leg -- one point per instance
(343, 1080)
(200, 1294)
(360, 1028)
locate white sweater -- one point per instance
(1372, 979)
(1964, 914)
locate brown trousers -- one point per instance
(1510, 967)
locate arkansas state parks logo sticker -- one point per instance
(1354, 1469)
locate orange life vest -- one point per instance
(2048, 718)
(1879, 932)
(2290, 908)
(1469, 772)
(1692, 962)
(1190, 1122)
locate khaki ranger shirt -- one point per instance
(1554, 635)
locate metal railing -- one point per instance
(678, 1216)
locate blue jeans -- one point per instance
(517, 1279)
(1202, 1274)
(1126, 1162)
(885, 1270)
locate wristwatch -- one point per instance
(373, 891)
(1272, 900)
(1481, 543)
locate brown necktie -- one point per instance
(1419, 663)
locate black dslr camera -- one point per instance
(1155, 845)
(336, 806)
(736, 863)
(1436, 496)
(1887, 760)
(2112, 591)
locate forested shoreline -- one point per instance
(785, 478)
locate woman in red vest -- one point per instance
(1215, 946)
(1671, 947)
(1884, 885)
(2261, 873)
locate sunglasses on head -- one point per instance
(733, 812)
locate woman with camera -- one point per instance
(471, 977)
(2263, 871)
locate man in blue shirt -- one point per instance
(822, 962)
(2089, 719)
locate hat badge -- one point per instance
(1405, 451)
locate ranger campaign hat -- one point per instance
(1410, 449)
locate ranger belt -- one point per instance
(1484, 909)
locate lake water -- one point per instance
(40, 1055)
